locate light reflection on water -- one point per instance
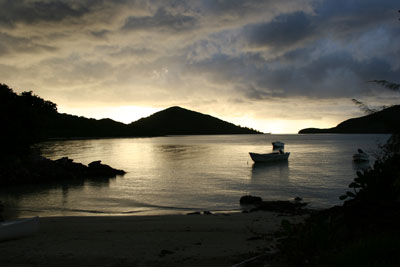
(177, 174)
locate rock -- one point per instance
(250, 200)
(298, 199)
(102, 170)
(35, 169)
(281, 206)
(293, 207)
(95, 163)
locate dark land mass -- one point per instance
(26, 119)
(42, 120)
(381, 122)
(180, 121)
(171, 121)
(35, 169)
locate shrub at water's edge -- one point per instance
(363, 231)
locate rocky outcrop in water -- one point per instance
(37, 169)
(256, 204)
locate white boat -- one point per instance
(278, 144)
(360, 156)
(269, 157)
(18, 228)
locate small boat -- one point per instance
(360, 156)
(278, 144)
(269, 157)
(18, 228)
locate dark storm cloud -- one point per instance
(254, 50)
(338, 19)
(12, 12)
(329, 53)
(230, 7)
(284, 30)
(161, 20)
(333, 75)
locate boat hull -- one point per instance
(269, 157)
(18, 228)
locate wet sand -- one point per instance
(168, 240)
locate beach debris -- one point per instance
(207, 212)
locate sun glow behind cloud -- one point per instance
(279, 126)
(234, 60)
(125, 114)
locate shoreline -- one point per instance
(13, 214)
(222, 239)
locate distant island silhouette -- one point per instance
(171, 121)
(31, 118)
(381, 122)
(179, 121)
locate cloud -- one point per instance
(12, 12)
(100, 33)
(201, 53)
(284, 30)
(11, 45)
(161, 20)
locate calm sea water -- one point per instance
(177, 174)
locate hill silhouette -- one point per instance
(384, 121)
(26, 118)
(71, 126)
(179, 121)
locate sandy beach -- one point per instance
(168, 240)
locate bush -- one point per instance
(382, 182)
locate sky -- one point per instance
(276, 66)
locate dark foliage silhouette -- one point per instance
(364, 230)
(22, 118)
